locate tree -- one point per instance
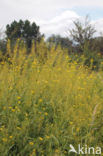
(23, 30)
(98, 44)
(2, 41)
(58, 40)
(82, 32)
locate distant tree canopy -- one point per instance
(80, 38)
(24, 30)
(82, 32)
(2, 41)
(58, 40)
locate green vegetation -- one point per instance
(51, 91)
(48, 100)
(24, 30)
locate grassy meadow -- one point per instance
(48, 102)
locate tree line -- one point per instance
(81, 38)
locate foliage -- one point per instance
(2, 41)
(82, 32)
(56, 40)
(24, 30)
(98, 44)
(47, 105)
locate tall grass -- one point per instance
(47, 103)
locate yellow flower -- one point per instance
(13, 110)
(47, 137)
(77, 129)
(38, 71)
(10, 107)
(31, 143)
(40, 138)
(34, 150)
(10, 137)
(40, 100)
(4, 108)
(2, 63)
(26, 114)
(40, 113)
(18, 128)
(91, 60)
(18, 97)
(65, 152)
(57, 151)
(32, 92)
(99, 54)
(67, 57)
(19, 102)
(38, 82)
(44, 109)
(1, 129)
(34, 63)
(46, 114)
(71, 123)
(46, 82)
(4, 139)
(10, 88)
(16, 107)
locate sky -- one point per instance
(53, 16)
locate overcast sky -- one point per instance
(53, 16)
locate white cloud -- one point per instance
(62, 23)
(43, 9)
(59, 24)
(98, 24)
(53, 16)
